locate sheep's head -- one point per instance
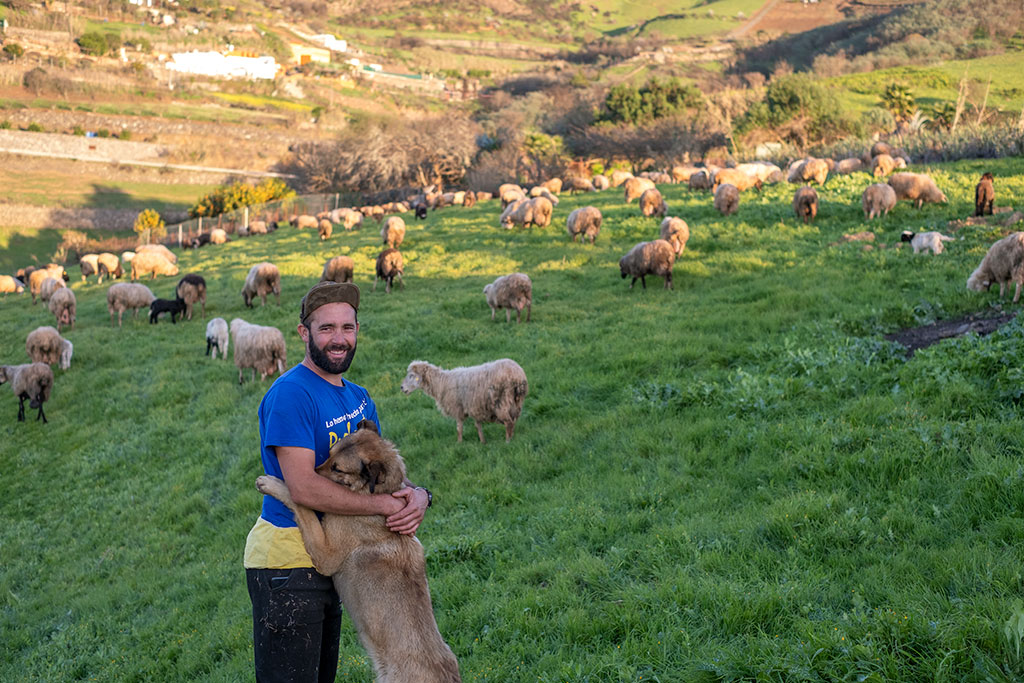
(413, 378)
(975, 283)
(5, 373)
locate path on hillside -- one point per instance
(754, 20)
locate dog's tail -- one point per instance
(947, 238)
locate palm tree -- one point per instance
(898, 100)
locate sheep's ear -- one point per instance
(367, 424)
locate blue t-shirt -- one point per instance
(304, 410)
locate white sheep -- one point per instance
(153, 263)
(676, 232)
(32, 382)
(511, 292)
(49, 286)
(305, 221)
(218, 236)
(11, 285)
(727, 199)
(542, 209)
(154, 248)
(1004, 262)
(492, 392)
(89, 263)
(877, 200)
(585, 221)
(122, 296)
(519, 212)
(45, 345)
(64, 307)
(649, 258)
(108, 265)
(393, 231)
(617, 178)
(258, 347)
(263, 278)
(652, 203)
(636, 186)
(925, 241)
(217, 337)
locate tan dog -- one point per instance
(380, 575)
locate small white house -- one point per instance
(330, 42)
(224, 66)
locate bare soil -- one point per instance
(980, 323)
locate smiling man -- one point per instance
(296, 611)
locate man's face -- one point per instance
(331, 337)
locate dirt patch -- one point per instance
(915, 338)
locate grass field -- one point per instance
(739, 479)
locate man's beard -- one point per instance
(323, 361)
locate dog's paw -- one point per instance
(269, 485)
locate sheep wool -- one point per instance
(38, 276)
(108, 265)
(305, 221)
(325, 229)
(122, 296)
(338, 269)
(877, 200)
(153, 264)
(636, 186)
(10, 285)
(727, 199)
(1003, 263)
(585, 221)
(925, 241)
(676, 232)
(805, 203)
(192, 288)
(393, 232)
(217, 338)
(519, 212)
(542, 209)
(157, 248)
(63, 306)
(49, 286)
(89, 264)
(600, 182)
(553, 185)
(577, 184)
(45, 345)
(849, 165)
(389, 266)
(512, 292)
(617, 178)
(652, 203)
(649, 258)
(491, 392)
(258, 348)
(735, 176)
(917, 187)
(32, 382)
(263, 278)
(984, 195)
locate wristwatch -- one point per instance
(430, 496)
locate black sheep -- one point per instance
(175, 307)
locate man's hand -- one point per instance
(408, 519)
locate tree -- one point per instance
(655, 100)
(898, 100)
(93, 43)
(149, 226)
(13, 50)
(944, 113)
(231, 197)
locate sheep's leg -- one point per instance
(510, 427)
(374, 284)
(1002, 289)
(492, 314)
(668, 281)
(643, 281)
(529, 307)
(21, 407)
(41, 414)
(480, 431)
(1016, 296)
(458, 426)
(508, 315)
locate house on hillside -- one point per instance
(304, 54)
(221, 65)
(330, 42)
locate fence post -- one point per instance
(179, 235)
(200, 225)
(245, 220)
(337, 193)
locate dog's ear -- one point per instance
(374, 474)
(367, 424)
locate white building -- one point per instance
(330, 42)
(223, 66)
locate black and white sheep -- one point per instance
(32, 382)
(192, 288)
(258, 347)
(585, 221)
(45, 345)
(492, 392)
(1004, 262)
(89, 264)
(649, 258)
(122, 296)
(925, 241)
(217, 338)
(263, 278)
(513, 292)
(389, 266)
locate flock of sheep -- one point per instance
(492, 392)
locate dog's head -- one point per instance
(906, 236)
(365, 462)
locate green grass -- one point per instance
(735, 480)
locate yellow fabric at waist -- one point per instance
(274, 547)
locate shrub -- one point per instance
(149, 226)
(78, 130)
(34, 127)
(125, 134)
(655, 100)
(13, 50)
(230, 197)
(103, 133)
(93, 43)
(5, 125)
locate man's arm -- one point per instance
(311, 490)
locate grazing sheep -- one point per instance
(702, 179)
(109, 265)
(636, 186)
(881, 147)
(11, 285)
(257, 228)
(506, 187)
(39, 275)
(217, 338)
(542, 210)
(468, 201)
(31, 381)
(218, 236)
(389, 266)
(1003, 263)
(734, 176)
(762, 170)
(600, 182)
(492, 392)
(338, 269)
(652, 203)
(48, 287)
(305, 221)
(152, 263)
(681, 174)
(157, 248)
(124, 295)
(175, 307)
(925, 241)
(325, 228)
(619, 177)
(554, 185)
(585, 221)
(517, 213)
(984, 195)
(649, 258)
(89, 265)
(727, 199)
(511, 292)
(25, 273)
(883, 164)
(849, 165)
(263, 278)
(482, 196)
(577, 184)
(676, 232)
(45, 345)
(353, 220)
(258, 347)
(64, 306)
(541, 191)
(200, 240)
(917, 187)
(805, 203)
(127, 256)
(806, 170)
(421, 212)
(192, 288)
(393, 232)
(511, 196)
(877, 200)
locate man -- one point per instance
(295, 609)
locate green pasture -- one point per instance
(738, 479)
(629, 15)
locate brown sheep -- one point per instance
(849, 165)
(325, 228)
(263, 278)
(809, 169)
(542, 210)
(577, 184)
(877, 200)
(636, 186)
(585, 221)
(884, 164)
(39, 275)
(338, 269)
(805, 203)
(305, 221)
(64, 307)
(984, 195)
(917, 187)
(393, 231)
(389, 266)
(648, 258)
(554, 185)
(727, 199)
(676, 232)
(652, 203)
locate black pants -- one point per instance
(296, 624)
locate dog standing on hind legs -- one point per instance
(379, 575)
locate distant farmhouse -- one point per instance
(224, 65)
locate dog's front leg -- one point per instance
(312, 531)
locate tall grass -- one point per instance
(737, 479)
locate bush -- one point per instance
(94, 43)
(125, 134)
(103, 133)
(149, 226)
(78, 130)
(13, 50)
(655, 100)
(230, 197)
(5, 125)
(34, 128)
